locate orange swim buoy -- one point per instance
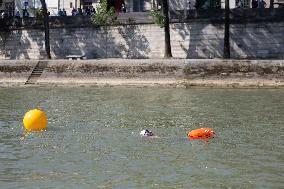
(202, 133)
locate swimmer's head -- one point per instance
(146, 133)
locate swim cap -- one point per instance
(146, 133)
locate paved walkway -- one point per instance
(149, 72)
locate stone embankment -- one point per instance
(195, 34)
(149, 72)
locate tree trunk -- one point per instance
(4, 32)
(271, 4)
(46, 28)
(226, 54)
(168, 50)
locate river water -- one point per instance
(93, 141)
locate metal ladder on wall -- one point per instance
(36, 73)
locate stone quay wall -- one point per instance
(192, 39)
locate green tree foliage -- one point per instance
(158, 18)
(39, 14)
(104, 16)
(161, 18)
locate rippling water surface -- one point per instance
(93, 138)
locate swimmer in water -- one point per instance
(147, 133)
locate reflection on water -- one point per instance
(93, 138)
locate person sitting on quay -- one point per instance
(262, 4)
(93, 10)
(254, 4)
(3, 15)
(17, 14)
(26, 14)
(123, 7)
(87, 11)
(74, 12)
(64, 12)
(60, 12)
(79, 12)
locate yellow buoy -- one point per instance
(35, 120)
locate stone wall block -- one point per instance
(189, 40)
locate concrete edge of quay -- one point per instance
(186, 73)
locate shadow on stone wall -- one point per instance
(124, 41)
(20, 43)
(90, 42)
(118, 42)
(200, 40)
(252, 36)
(135, 44)
(257, 41)
(23, 44)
